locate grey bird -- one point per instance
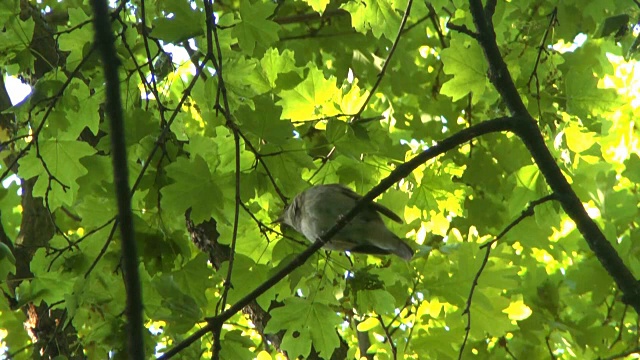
(317, 209)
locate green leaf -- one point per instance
(527, 176)
(194, 279)
(584, 96)
(57, 169)
(379, 16)
(614, 24)
(76, 41)
(368, 324)
(236, 346)
(579, 140)
(309, 100)
(352, 99)
(465, 62)
(313, 322)
(632, 168)
(40, 289)
(318, 5)
(378, 301)
(17, 35)
(182, 24)
(177, 307)
(244, 81)
(81, 111)
(273, 63)
(8, 9)
(193, 188)
(297, 342)
(254, 27)
(250, 274)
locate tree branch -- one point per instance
(531, 136)
(105, 44)
(498, 73)
(467, 310)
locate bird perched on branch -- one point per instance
(317, 209)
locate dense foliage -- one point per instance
(226, 123)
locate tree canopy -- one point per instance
(504, 134)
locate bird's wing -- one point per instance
(377, 207)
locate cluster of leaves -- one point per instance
(283, 95)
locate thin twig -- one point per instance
(394, 350)
(435, 20)
(529, 211)
(624, 354)
(621, 326)
(546, 340)
(236, 219)
(325, 160)
(386, 62)
(145, 40)
(463, 29)
(553, 20)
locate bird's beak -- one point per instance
(279, 220)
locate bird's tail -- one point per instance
(394, 245)
(401, 249)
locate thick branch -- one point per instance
(105, 43)
(571, 204)
(498, 73)
(528, 131)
